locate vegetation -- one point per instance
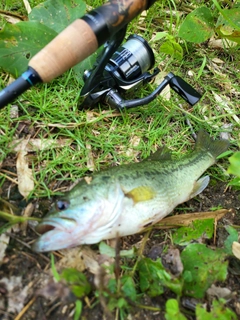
(198, 41)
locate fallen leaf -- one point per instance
(14, 112)
(27, 213)
(186, 219)
(53, 290)
(72, 258)
(172, 261)
(221, 43)
(166, 92)
(27, 6)
(10, 18)
(4, 241)
(224, 104)
(134, 142)
(236, 249)
(16, 293)
(226, 135)
(31, 145)
(24, 174)
(217, 60)
(90, 159)
(219, 292)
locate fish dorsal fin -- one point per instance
(161, 154)
(142, 193)
(199, 186)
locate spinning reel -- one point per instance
(120, 68)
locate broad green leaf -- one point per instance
(20, 42)
(206, 267)
(229, 17)
(172, 48)
(159, 36)
(77, 280)
(149, 280)
(218, 311)
(128, 287)
(172, 311)
(235, 182)
(234, 167)
(111, 252)
(198, 26)
(153, 278)
(58, 14)
(228, 24)
(228, 33)
(233, 236)
(199, 228)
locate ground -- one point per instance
(36, 281)
(54, 143)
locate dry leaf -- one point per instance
(236, 249)
(16, 295)
(186, 219)
(166, 92)
(10, 19)
(72, 258)
(90, 160)
(84, 257)
(221, 43)
(27, 6)
(217, 60)
(4, 241)
(31, 145)
(226, 135)
(219, 292)
(223, 102)
(27, 213)
(14, 112)
(24, 174)
(172, 261)
(134, 142)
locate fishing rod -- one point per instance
(117, 69)
(75, 43)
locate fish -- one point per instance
(124, 200)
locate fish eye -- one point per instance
(62, 205)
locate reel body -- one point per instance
(123, 67)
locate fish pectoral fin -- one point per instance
(142, 193)
(199, 186)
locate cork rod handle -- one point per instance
(72, 45)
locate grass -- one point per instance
(102, 137)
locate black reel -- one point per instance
(121, 68)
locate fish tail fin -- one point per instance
(205, 143)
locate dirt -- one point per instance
(36, 296)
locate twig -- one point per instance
(11, 14)
(12, 180)
(24, 310)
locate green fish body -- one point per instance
(124, 200)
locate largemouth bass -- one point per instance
(124, 200)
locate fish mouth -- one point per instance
(55, 233)
(60, 223)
